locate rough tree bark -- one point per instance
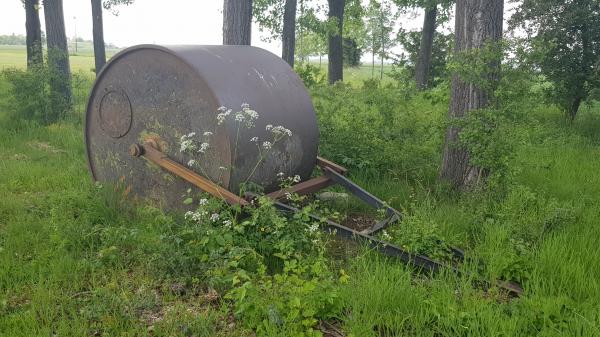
(477, 22)
(237, 22)
(34, 33)
(98, 34)
(424, 59)
(336, 51)
(58, 57)
(289, 32)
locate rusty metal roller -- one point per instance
(157, 94)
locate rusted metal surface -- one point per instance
(162, 93)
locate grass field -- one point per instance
(75, 260)
(83, 60)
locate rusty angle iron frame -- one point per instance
(332, 174)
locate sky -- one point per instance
(148, 21)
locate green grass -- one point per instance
(83, 60)
(76, 261)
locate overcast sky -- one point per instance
(147, 21)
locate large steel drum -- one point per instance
(161, 93)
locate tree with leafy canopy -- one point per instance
(440, 55)
(98, 28)
(563, 42)
(278, 17)
(435, 12)
(380, 17)
(354, 33)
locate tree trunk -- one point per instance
(289, 32)
(58, 58)
(98, 31)
(237, 22)
(34, 33)
(382, 54)
(477, 22)
(336, 49)
(574, 108)
(426, 48)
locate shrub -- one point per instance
(30, 94)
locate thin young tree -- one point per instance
(58, 58)
(336, 51)
(278, 17)
(98, 35)
(237, 22)
(478, 24)
(423, 66)
(34, 33)
(98, 28)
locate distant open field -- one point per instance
(83, 60)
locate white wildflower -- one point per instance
(385, 235)
(239, 117)
(252, 115)
(269, 127)
(191, 134)
(280, 131)
(267, 145)
(288, 195)
(186, 145)
(203, 202)
(203, 147)
(245, 106)
(280, 174)
(214, 217)
(222, 115)
(254, 139)
(296, 178)
(313, 228)
(227, 223)
(208, 133)
(192, 162)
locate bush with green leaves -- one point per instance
(377, 130)
(31, 98)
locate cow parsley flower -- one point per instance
(239, 117)
(208, 133)
(214, 217)
(254, 139)
(268, 127)
(222, 115)
(267, 145)
(192, 162)
(203, 202)
(203, 147)
(313, 228)
(280, 131)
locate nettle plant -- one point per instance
(248, 252)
